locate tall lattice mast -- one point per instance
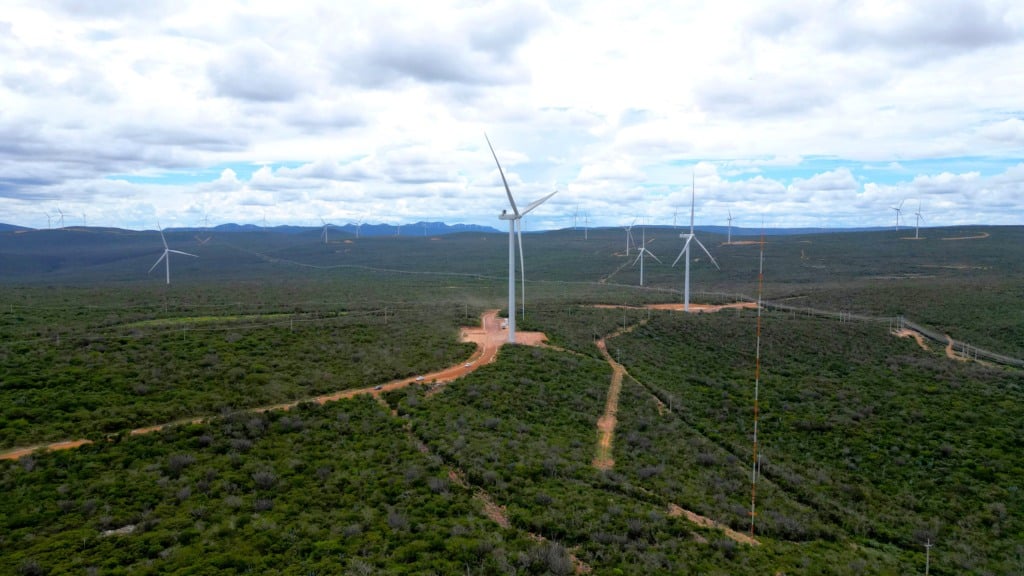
(755, 468)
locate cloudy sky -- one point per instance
(800, 113)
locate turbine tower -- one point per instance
(323, 233)
(629, 236)
(166, 256)
(513, 219)
(899, 210)
(691, 237)
(643, 251)
(917, 225)
(729, 238)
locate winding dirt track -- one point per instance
(911, 334)
(488, 338)
(706, 522)
(606, 423)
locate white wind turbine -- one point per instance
(629, 236)
(691, 237)
(643, 251)
(514, 218)
(166, 256)
(47, 220)
(729, 239)
(899, 210)
(323, 232)
(917, 225)
(61, 212)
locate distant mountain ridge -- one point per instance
(414, 229)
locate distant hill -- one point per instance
(414, 229)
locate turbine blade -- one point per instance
(708, 253)
(651, 254)
(683, 251)
(522, 267)
(639, 255)
(162, 239)
(157, 263)
(693, 194)
(511, 200)
(182, 253)
(536, 203)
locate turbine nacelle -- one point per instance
(515, 229)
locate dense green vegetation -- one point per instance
(871, 446)
(883, 440)
(316, 490)
(120, 376)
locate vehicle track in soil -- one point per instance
(606, 423)
(488, 337)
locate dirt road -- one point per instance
(606, 423)
(488, 338)
(675, 511)
(911, 334)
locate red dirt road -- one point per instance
(488, 339)
(674, 511)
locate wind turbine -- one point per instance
(61, 212)
(586, 224)
(729, 239)
(84, 221)
(899, 210)
(166, 256)
(575, 216)
(515, 217)
(629, 236)
(691, 237)
(643, 251)
(47, 220)
(205, 230)
(323, 233)
(917, 225)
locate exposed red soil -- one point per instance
(488, 338)
(676, 511)
(950, 353)
(606, 423)
(911, 334)
(21, 452)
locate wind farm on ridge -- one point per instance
(515, 429)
